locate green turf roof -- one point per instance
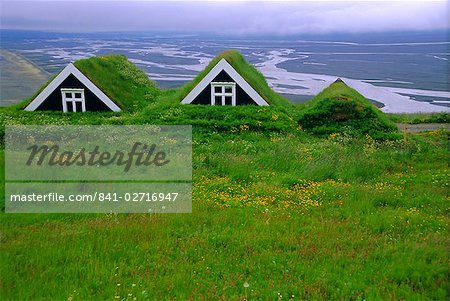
(246, 70)
(339, 89)
(339, 108)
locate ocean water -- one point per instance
(400, 72)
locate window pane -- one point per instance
(69, 106)
(77, 95)
(218, 89)
(78, 106)
(228, 100)
(68, 95)
(218, 100)
(228, 90)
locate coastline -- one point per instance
(19, 77)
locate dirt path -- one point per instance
(423, 127)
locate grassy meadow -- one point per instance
(293, 216)
(279, 213)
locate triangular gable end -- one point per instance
(224, 65)
(54, 84)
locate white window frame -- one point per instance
(222, 92)
(72, 99)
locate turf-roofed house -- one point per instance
(107, 83)
(221, 84)
(72, 91)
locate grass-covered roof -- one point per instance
(124, 83)
(246, 70)
(339, 108)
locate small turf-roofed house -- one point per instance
(100, 83)
(221, 84)
(72, 91)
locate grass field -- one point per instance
(278, 212)
(293, 216)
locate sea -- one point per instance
(401, 72)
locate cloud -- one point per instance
(240, 18)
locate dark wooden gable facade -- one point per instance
(54, 101)
(223, 85)
(72, 91)
(242, 98)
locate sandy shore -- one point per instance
(19, 77)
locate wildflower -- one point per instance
(246, 285)
(412, 210)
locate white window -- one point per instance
(73, 100)
(223, 93)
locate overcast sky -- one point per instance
(237, 17)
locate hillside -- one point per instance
(340, 108)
